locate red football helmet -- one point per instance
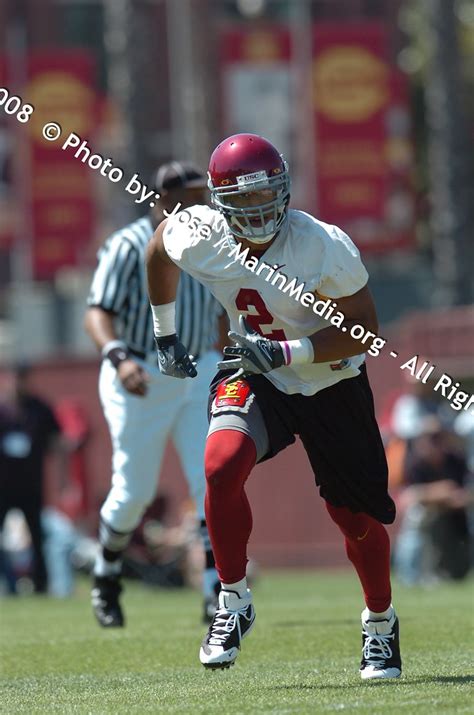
(244, 164)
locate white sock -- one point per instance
(209, 580)
(369, 615)
(239, 586)
(107, 568)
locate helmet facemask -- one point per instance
(255, 223)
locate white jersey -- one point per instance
(273, 292)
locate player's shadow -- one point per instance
(313, 624)
(337, 622)
(442, 679)
(452, 679)
(296, 686)
(294, 624)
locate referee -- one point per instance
(143, 407)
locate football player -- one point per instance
(289, 372)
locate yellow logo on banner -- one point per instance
(60, 97)
(350, 83)
(261, 46)
(51, 249)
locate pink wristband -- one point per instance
(286, 352)
(298, 352)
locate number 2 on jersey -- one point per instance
(250, 298)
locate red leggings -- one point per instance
(229, 458)
(368, 547)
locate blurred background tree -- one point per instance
(162, 88)
(439, 31)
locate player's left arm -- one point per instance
(336, 343)
(253, 353)
(223, 330)
(162, 273)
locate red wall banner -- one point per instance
(60, 87)
(7, 208)
(362, 127)
(361, 123)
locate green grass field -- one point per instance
(302, 656)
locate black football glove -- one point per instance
(252, 354)
(173, 359)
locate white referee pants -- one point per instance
(139, 428)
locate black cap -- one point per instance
(178, 175)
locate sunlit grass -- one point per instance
(302, 657)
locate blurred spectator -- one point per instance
(60, 541)
(417, 403)
(169, 556)
(157, 553)
(464, 427)
(6, 573)
(74, 423)
(28, 432)
(434, 540)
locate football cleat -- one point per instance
(105, 601)
(380, 648)
(233, 621)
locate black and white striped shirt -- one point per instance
(119, 286)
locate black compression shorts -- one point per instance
(339, 432)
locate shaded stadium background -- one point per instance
(372, 102)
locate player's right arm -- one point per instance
(162, 278)
(162, 273)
